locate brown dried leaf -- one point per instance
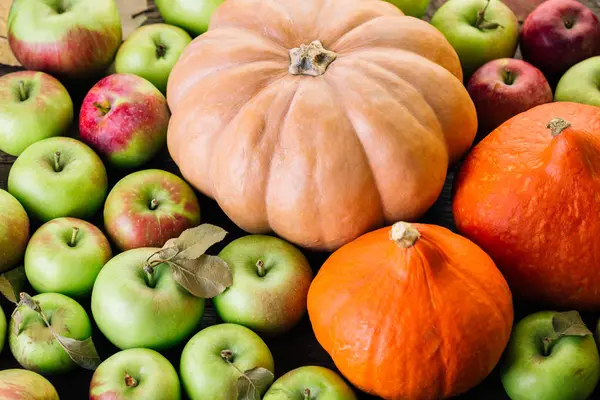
(569, 324)
(82, 352)
(11, 283)
(206, 276)
(194, 242)
(252, 383)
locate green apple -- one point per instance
(479, 31)
(33, 106)
(270, 284)
(2, 329)
(59, 177)
(32, 343)
(74, 38)
(414, 8)
(539, 365)
(135, 374)
(212, 360)
(20, 384)
(14, 231)
(314, 383)
(151, 52)
(581, 83)
(65, 256)
(191, 15)
(135, 309)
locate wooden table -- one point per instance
(297, 348)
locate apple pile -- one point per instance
(91, 235)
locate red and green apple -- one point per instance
(14, 231)
(21, 384)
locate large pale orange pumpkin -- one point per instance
(318, 119)
(412, 312)
(529, 195)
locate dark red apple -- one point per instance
(558, 34)
(504, 88)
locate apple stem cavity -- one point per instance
(260, 268)
(103, 108)
(57, 166)
(557, 126)
(227, 356)
(307, 394)
(153, 204)
(130, 380)
(74, 234)
(546, 342)
(23, 92)
(509, 77)
(161, 48)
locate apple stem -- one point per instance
(547, 342)
(482, 22)
(57, 167)
(557, 126)
(153, 204)
(73, 241)
(227, 355)
(149, 270)
(23, 95)
(103, 108)
(146, 11)
(509, 78)
(306, 394)
(130, 380)
(260, 266)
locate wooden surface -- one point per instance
(297, 348)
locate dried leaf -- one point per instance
(82, 352)
(569, 324)
(17, 319)
(30, 302)
(194, 242)
(253, 382)
(489, 25)
(11, 283)
(164, 254)
(206, 277)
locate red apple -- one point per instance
(504, 88)
(558, 34)
(147, 208)
(125, 119)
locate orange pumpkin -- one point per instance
(529, 195)
(411, 312)
(318, 119)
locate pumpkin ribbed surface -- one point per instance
(424, 316)
(318, 119)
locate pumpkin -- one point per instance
(529, 195)
(318, 119)
(411, 312)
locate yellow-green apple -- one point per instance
(33, 344)
(125, 119)
(14, 231)
(542, 364)
(313, 383)
(20, 384)
(504, 88)
(75, 38)
(135, 374)
(479, 31)
(33, 106)
(191, 15)
(59, 177)
(65, 256)
(2, 329)
(134, 308)
(581, 83)
(214, 359)
(151, 51)
(270, 284)
(147, 208)
(558, 34)
(414, 8)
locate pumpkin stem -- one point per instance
(404, 234)
(557, 125)
(311, 60)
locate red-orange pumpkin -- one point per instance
(529, 195)
(318, 119)
(412, 312)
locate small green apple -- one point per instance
(20, 384)
(212, 360)
(479, 31)
(191, 15)
(14, 231)
(313, 383)
(2, 329)
(59, 177)
(413, 8)
(32, 343)
(151, 52)
(135, 309)
(581, 83)
(33, 106)
(543, 364)
(135, 374)
(270, 284)
(65, 256)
